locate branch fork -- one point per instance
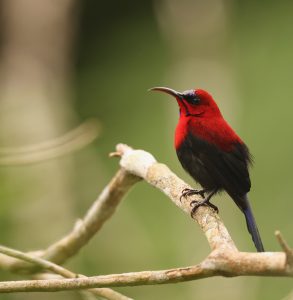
(224, 259)
(287, 250)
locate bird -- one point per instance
(212, 154)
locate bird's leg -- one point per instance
(206, 201)
(189, 192)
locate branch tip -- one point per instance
(282, 242)
(122, 148)
(288, 251)
(114, 154)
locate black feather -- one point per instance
(217, 169)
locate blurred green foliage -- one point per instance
(120, 53)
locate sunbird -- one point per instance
(212, 154)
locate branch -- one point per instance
(232, 263)
(37, 262)
(136, 164)
(224, 259)
(47, 265)
(144, 165)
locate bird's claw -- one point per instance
(196, 204)
(189, 192)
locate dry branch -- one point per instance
(225, 264)
(224, 259)
(49, 266)
(144, 165)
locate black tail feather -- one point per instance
(244, 205)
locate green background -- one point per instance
(120, 51)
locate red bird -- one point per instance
(212, 153)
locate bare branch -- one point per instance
(144, 165)
(37, 262)
(228, 264)
(47, 265)
(224, 260)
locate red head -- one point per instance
(197, 103)
(200, 115)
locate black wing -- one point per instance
(215, 168)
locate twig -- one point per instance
(37, 262)
(49, 266)
(288, 251)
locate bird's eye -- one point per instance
(192, 98)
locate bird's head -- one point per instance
(197, 103)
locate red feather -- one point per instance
(212, 130)
(209, 125)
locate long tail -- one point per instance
(245, 207)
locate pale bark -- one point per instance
(224, 259)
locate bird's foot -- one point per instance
(190, 192)
(196, 204)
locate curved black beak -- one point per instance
(167, 91)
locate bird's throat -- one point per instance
(215, 131)
(181, 130)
